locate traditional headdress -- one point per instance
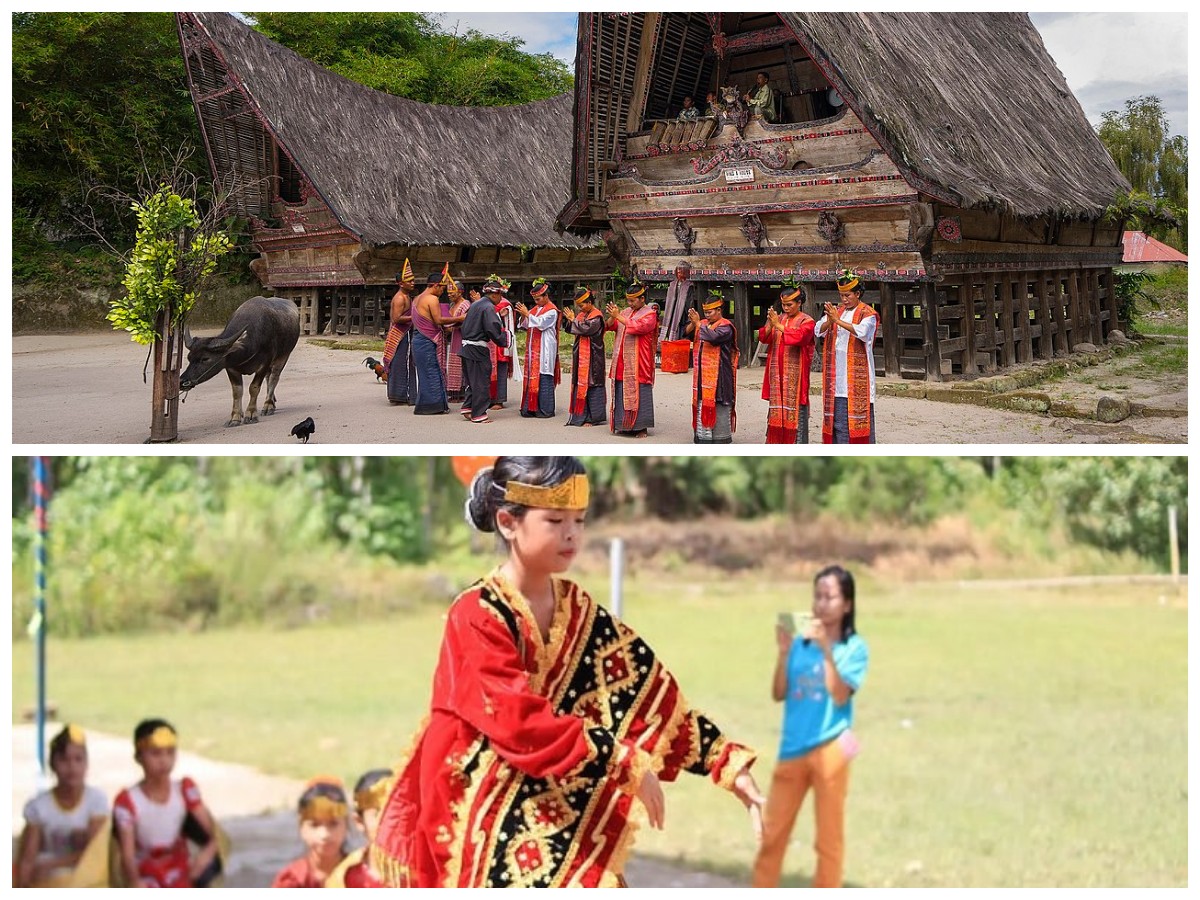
(635, 289)
(716, 300)
(847, 281)
(161, 737)
(571, 494)
(582, 293)
(493, 285)
(405, 275)
(447, 278)
(373, 797)
(541, 287)
(791, 291)
(324, 798)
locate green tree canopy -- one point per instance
(1155, 163)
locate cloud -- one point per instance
(542, 32)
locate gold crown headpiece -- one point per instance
(323, 809)
(846, 281)
(571, 494)
(373, 797)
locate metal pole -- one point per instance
(617, 561)
(40, 498)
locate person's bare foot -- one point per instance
(644, 433)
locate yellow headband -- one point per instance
(713, 304)
(323, 809)
(373, 797)
(571, 494)
(586, 295)
(75, 735)
(160, 737)
(846, 287)
(792, 296)
(635, 292)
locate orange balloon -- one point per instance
(467, 467)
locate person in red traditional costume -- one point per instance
(542, 370)
(589, 403)
(399, 338)
(506, 363)
(714, 373)
(356, 870)
(632, 370)
(549, 718)
(848, 366)
(324, 824)
(456, 387)
(151, 819)
(789, 338)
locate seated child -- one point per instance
(323, 813)
(61, 822)
(154, 819)
(356, 870)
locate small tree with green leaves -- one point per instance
(175, 252)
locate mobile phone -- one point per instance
(787, 622)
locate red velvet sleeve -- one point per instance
(640, 323)
(804, 334)
(764, 334)
(481, 679)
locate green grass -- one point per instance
(1161, 360)
(1011, 738)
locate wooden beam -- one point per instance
(1057, 301)
(1007, 356)
(966, 293)
(1110, 300)
(1075, 329)
(989, 322)
(1025, 348)
(761, 39)
(890, 321)
(645, 60)
(1045, 321)
(929, 318)
(747, 338)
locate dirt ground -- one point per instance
(255, 809)
(87, 389)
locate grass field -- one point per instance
(1033, 737)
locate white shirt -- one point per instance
(64, 831)
(865, 331)
(156, 825)
(545, 324)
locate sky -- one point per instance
(1107, 58)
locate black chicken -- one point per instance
(304, 430)
(377, 367)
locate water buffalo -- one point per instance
(257, 341)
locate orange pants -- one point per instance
(827, 771)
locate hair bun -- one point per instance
(481, 511)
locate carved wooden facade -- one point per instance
(333, 223)
(962, 286)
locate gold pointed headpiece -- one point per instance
(161, 737)
(571, 494)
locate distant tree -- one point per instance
(1155, 163)
(89, 87)
(407, 54)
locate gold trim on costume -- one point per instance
(713, 304)
(572, 494)
(160, 737)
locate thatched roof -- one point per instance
(398, 171)
(972, 102)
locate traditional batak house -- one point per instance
(342, 182)
(940, 156)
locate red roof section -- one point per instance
(1141, 248)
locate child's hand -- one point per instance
(746, 790)
(783, 639)
(651, 795)
(816, 632)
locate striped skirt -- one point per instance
(721, 432)
(596, 410)
(645, 415)
(545, 399)
(400, 371)
(430, 393)
(500, 394)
